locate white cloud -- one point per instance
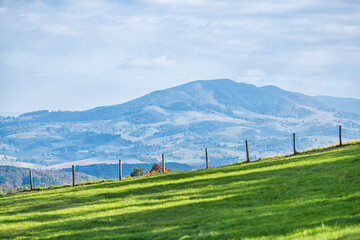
(313, 58)
(274, 6)
(169, 42)
(253, 76)
(159, 62)
(180, 2)
(339, 28)
(60, 29)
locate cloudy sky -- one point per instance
(75, 55)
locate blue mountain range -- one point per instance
(180, 121)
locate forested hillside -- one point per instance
(16, 179)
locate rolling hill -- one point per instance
(313, 195)
(341, 104)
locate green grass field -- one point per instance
(309, 196)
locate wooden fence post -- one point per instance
(294, 143)
(73, 175)
(207, 158)
(163, 163)
(31, 181)
(340, 140)
(247, 151)
(120, 170)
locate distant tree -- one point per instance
(157, 169)
(2, 190)
(138, 172)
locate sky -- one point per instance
(77, 55)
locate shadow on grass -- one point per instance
(208, 219)
(268, 203)
(275, 161)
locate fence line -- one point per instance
(296, 142)
(260, 148)
(120, 170)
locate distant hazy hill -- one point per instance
(179, 121)
(341, 104)
(15, 177)
(223, 96)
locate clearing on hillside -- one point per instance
(308, 196)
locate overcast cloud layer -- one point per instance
(75, 55)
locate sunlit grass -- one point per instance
(307, 196)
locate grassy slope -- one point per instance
(314, 196)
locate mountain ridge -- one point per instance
(179, 121)
(323, 99)
(201, 90)
(351, 105)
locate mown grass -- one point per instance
(308, 196)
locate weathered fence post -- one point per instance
(294, 143)
(31, 181)
(163, 163)
(340, 140)
(73, 175)
(207, 158)
(247, 151)
(120, 170)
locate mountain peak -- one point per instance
(185, 118)
(218, 95)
